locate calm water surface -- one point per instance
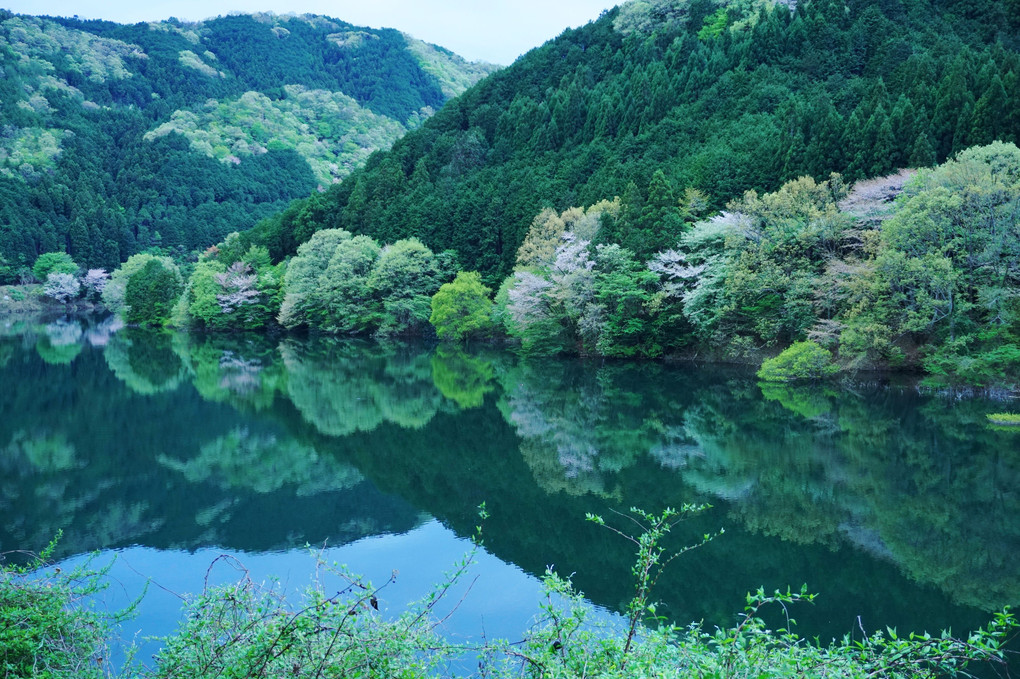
(899, 508)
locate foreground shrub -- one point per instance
(251, 630)
(244, 630)
(571, 643)
(46, 627)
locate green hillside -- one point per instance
(719, 96)
(116, 138)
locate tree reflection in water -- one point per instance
(874, 495)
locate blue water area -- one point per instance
(493, 599)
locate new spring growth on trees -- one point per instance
(462, 309)
(801, 361)
(652, 557)
(53, 262)
(49, 626)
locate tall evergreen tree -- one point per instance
(991, 112)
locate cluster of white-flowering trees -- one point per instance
(570, 294)
(935, 279)
(64, 281)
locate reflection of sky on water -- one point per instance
(494, 598)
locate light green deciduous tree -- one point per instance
(462, 309)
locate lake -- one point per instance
(898, 507)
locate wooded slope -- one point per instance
(116, 138)
(721, 96)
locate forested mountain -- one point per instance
(678, 106)
(116, 138)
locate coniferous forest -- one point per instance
(720, 96)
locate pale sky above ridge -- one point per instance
(497, 31)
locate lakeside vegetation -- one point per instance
(927, 280)
(678, 178)
(249, 630)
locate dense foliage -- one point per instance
(248, 630)
(668, 102)
(47, 626)
(461, 309)
(231, 290)
(116, 138)
(929, 279)
(345, 284)
(150, 294)
(115, 290)
(654, 116)
(53, 262)
(947, 271)
(801, 361)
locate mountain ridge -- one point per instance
(281, 105)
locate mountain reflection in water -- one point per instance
(898, 507)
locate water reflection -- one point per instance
(242, 370)
(137, 446)
(145, 361)
(462, 378)
(344, 387)
(579, 425)
(60, 342)
(896, 505)
(41, 452)
(905, 478)
(263, 463)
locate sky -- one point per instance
(497, 31)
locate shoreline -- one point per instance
(907, 376)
